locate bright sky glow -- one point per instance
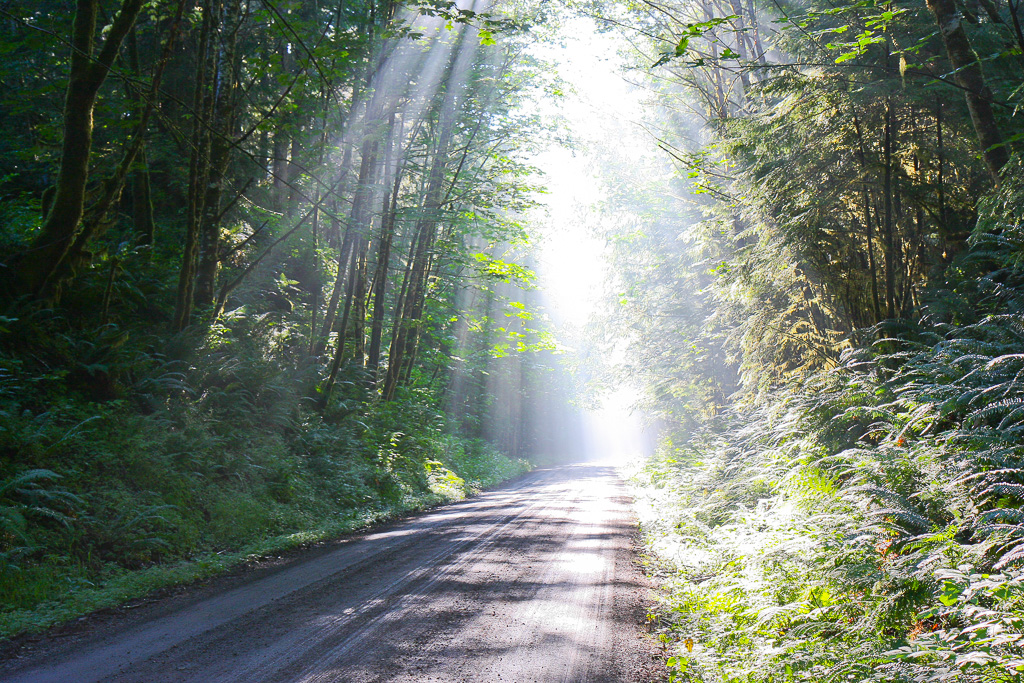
(614, 432)
(600, 109)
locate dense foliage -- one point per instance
(265, 270)
(824, 309)
(832, 182)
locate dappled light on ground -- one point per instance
(530, 583)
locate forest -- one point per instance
(266, 278)
(268, 275)
(822, 302)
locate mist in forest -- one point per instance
(815, 294)
(279, 269)
(268, 268)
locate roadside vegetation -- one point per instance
(865, 526)
(110, 504)
(820, 284)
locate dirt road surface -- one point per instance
(531, 582)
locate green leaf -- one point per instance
(951, 593)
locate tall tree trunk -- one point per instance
(338, 238)
(88, 72)
(223, 124)
(197, 163)
(399, 325)
(721, 100)
(354, 230)
(293, 175)
(339, 349)
(360, 219)
(359, 306)
(279, 166)
(95, 219)
(868, 223)
(1018, 32)
(758, 48)
(969, 76)
(313, 259)
(415, 337)
(387, 236)
(888, 234)
(143, 224)
(940, 152)
(741, 46)
(407, 316)
(483, 370)
(209, 225)
(327, 326)
(876, 305)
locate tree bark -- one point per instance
(279, 166)
(1018, 32)
(408, 312)
(868, 224)
(387, 236)
(88, 72)
(762, 60)
(353, 232)
(186, 275)
(970, 77)
(143, 224)
(888, 234)
(741, 46)
(940, 153)
(223, 122)
(359, 306)
(95, 219)
(339, 351)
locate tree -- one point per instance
(45, 265)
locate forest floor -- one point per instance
(534, 581)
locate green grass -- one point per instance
(40, 596)
(139, 503)
(62, 593)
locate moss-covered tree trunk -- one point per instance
(42, 264)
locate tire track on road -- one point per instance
(518, 584)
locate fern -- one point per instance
(28, 501)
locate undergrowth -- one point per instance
(124, 469)
(866, 526)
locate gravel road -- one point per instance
(531, 582)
